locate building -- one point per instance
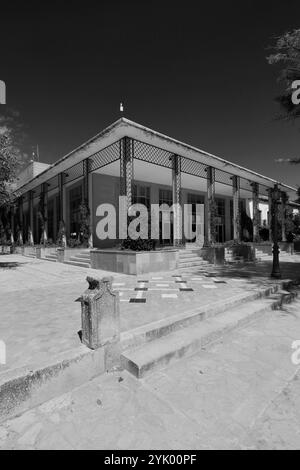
(146, 167)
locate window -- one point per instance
(141, 195)
(165, 197)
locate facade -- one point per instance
(144, 166)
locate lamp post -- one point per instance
(275, 196)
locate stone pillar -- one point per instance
(60, 196)
(20, 220)
(45, 210)
(100, 318)
(255, 216)
(86, 196)
(284, 201)
(12, 224)
(210, 206)
(126, 168)
(270, 200)
(176, 200)
(91, 207)
(62, 207)
(236, 208)
(31, 221)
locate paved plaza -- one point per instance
(40, 318)
(243, 392)
(240, 392)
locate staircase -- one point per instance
(154, 346)
(81, 259)
(51, 256)
(189, 258)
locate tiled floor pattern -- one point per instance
(165, 287)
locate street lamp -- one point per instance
(275, 197)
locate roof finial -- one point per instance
(121, 108)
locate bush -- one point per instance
(264, 234)
(74, 242)
(138, 245)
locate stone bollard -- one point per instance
(100, 319)
(60, 254)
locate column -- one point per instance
(210, 207)
(284, 200)
(31, 222)
(91, 207)
(62, 209)
(176, 200)
(126, 179)
(236, 208)
(86, 200)
(270, 214)
(255, 215)
(126, 168)
(45, 211)
(20, 220)
(12, 224)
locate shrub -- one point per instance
(138, 245)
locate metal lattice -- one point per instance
(150, 154)
(263, 190)
(191, 167)
(104, 157)
(245, 185)
(223, 177)
(74, 173)
(36, 193)
(52, 183)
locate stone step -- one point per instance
(51, 257)
(191, 258)
(189, 255)
(157, 354)
(189, 250)
(83, 256)
(189, 264)
(154, 330)
(75, 262)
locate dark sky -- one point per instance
(196, 71)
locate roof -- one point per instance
(124, 127)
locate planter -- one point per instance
(134, 262)
(213, 254)
(286, 246)
(247, 252)
(264, 247)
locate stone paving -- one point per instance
(40, 318)
(242, 392)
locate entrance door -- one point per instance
(195, 222)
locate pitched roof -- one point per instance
(124, 127)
